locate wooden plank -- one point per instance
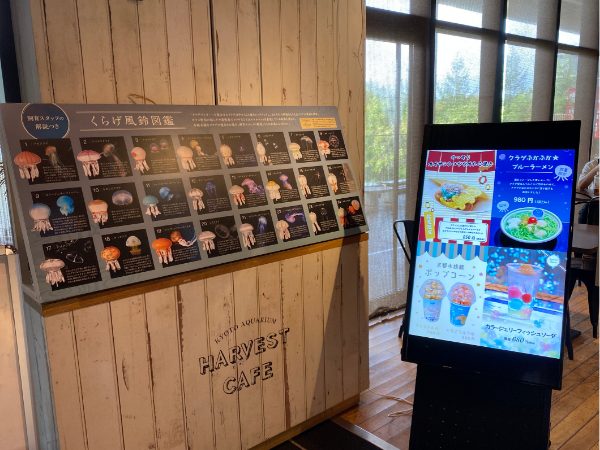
(99, 389)
(584, 437)
(249, 53)
(64, 371)
(312, 292)
(180, 51)
(350, 328)
(270, 51)
(269, 299)
(64, 51)
(292, 317)
(127, 52)
(202, 50)
(308, 54)
(72, 304)
(155, 54)
(340, 84)
(133, 372)
(194, 345)
(363, 316)
(325, 52)
(163, 337)
(96, 51)
(12, 425)
(221, 319)
(245, 290)
(225, 36)
(575, 421)
(290, 52)
(332, 319)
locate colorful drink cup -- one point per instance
(462, 297)
(523, 280)
(432, 293)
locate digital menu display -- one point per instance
(492, 248)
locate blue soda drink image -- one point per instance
(523, 280)
(432, 292)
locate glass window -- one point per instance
(564, 91)
(402, 6)
(517, 92)
(570, 22)
(457, 66)
(465, 12)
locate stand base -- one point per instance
(464, 410)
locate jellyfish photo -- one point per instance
(122, 198)
(27, 163)
(342, 217)
(273, 190)
(195, 145)
(162, 247)
(295, 149)
(40, 213)
(313, 220)
(261, 151)
(211, 189)
(284, 181)
(111, 256)
(283, 231)
(164, 145)
(227, 155)
(177, 238)
(52, 154)
(323, 147)
(303, 182)
(334, 141)
(291, 217)
(306, 142)
(263, 223)
(196, 195)
(252, 187)
(247, 236)
(99, 210)
(165, 193)
(66, 205)
(186, 157)
(237, 192)
(134, 245)
(89, 160)
(139, 156)
(333, 182)
(52, 268)
(354, 207)
(154, 148)
(222, 231)
(206, 238)
(109, 152)
(151, 202)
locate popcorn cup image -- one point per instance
(462, 296)
(432, 293)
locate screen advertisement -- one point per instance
(492, 249)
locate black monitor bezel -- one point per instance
(496, 136)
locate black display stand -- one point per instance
(454, 409)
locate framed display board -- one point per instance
(494, 214)
(110, 195)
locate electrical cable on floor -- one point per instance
(405, 412)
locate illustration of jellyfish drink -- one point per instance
(196, 195)
(462, 298)
(261, 151)
(333, 182)
(151, 204)
(99, 210)
(323, 147)
(52, 268)
(247, 236)
(139, 156)
(273, 190)
(313, 220)
(342, 217)
(89, 160)
(186, 157)
(27, 163)
(237, 193)
(111, 256)
(432, 293)
(523, 280)
(162, 247)
(295, 150)
(303, 183)
(66, 205)
(283, 231)
(40, 213)
(227, 155)
(207, 239)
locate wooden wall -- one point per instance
(125, 373)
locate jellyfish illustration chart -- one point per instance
(350, 212)
(131, 251)
(58, 211)
(271, 148)
(158, 154)
(184, 242)
(322, 217)
(122, 203)
(334, 142)
(296, 221)
(286, 180)
(312, 182)
(253, 189)
(219, 236)
(263, 231)
(171, 199)
(70, 263)
(237, 150)
(340, 179)
(205, 155)
(304, 143)
(46, 161)
(209, 194)
(113, 161)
